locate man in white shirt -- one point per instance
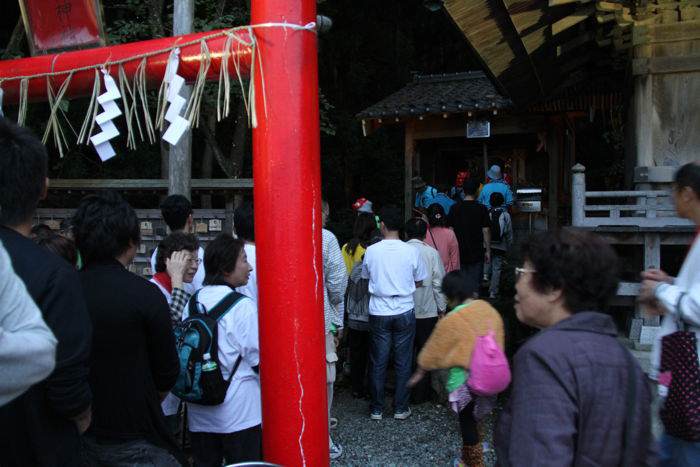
(430, 302)
(244, 226)
(335, 281)
(394, 270)
(177, 214)
(678, 299)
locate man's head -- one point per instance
(496, 199)
(470, 187)
(105, 228)
(23, 170)
(390, 219)
(177, 212)
(686, 191)
(419, 184)
(244, 221)
(495, 173)
(416, 228)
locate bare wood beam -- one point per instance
(148, 184)
(572, 20)
(567, 2)
(575, 43)
(659, 65)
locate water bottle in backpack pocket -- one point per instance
(200, 380)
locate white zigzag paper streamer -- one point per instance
(104, 120)
(178, 124)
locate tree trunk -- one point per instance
(208, 159)
(155, 18)
(238, 143)
(14, 46)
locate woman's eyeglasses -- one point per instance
(520, 271)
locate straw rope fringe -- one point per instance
(134, 93)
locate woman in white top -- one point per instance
(230, 431)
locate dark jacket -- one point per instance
(568, 404)
(133, 355)
(36, 428)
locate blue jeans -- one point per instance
(496, 267)
(678, 453)
(391, 332)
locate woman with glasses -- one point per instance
(578, 396)
(176, 265)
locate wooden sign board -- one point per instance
(215, 225)
(146, 228)
(201, 227)
(55, 25)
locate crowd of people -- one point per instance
(98, 363)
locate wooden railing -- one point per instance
(639, 210)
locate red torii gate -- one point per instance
(287, 191)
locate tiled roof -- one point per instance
(438, 94)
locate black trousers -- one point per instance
(359, 356)
(422, 392)
(468, 425)
(210, 449)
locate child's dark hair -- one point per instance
(416, 228)
(496, 199)
(365, 225)
(436, 215)
(457, 286)
(220, 258)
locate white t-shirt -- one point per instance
(198, 280)
(238, 335)
(393, 268)
(251, 288)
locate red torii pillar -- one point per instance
(287, 174)
(287, 188)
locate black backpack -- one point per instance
(200, 380)
(495, 216)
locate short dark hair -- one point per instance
(581, 264)
(244, 221)
(496, 199)
(59, 245)
(176, 241)
(416, 228)
(391, 216)
(39, 231)
(436, 215)
(175, 210)
(688, 176)
(23, 169)
(471, 187)
(105, 226)
(220, 258)
(458, 286)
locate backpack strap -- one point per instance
(225, 305)
(192, 305)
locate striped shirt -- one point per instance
(335, 281)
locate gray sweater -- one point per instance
(27, 345)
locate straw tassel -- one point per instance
(195, 103)
(89, 121)
(22, 112)
(54, 126)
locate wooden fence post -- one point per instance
(578, 195)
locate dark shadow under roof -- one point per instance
(436, 94)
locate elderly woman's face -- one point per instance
(531, 306)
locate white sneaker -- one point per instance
(403, 415)
(375, 415)
(335, 450)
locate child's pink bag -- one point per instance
(489, 372)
